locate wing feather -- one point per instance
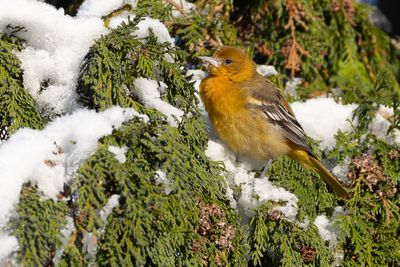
(267, 102)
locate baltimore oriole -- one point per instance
(250, 115)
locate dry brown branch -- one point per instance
(371, 173)
(347, 7)
(107, 18)
(177, 7)
(263, 49)
(292, 49)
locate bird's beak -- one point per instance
(212, 61)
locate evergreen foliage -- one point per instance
(274, 241)
(37, 227)
(384, 92)
(152, 225)
(277, 242)
(327, 43)
(155, 224)
(172, 206)
(114, 63)
(371, 226)
(16, 104)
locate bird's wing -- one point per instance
(266, 99)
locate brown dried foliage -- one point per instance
(370, 173)
(308, 253)
(347, 7)
(213, 226)
(58, 151)
(366, 167)
(274, 214)
(394, 155)
(292, 50)
(178, 6)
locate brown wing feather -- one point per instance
(267, 101)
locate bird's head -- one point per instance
(232, 63)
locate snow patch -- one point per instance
(325, 230)
(197, 76)
(51, 156)
(326, 227)
(158, 28)
(8, 245)
(253, 191)
(118, 20)
(89, 243)
(161, 178)
(148, 92)
(112, 202)
(380, 125)
(342, 170)
(266, 70)
(55, 46)
(66, 232)
(144, 27)
(183, 5)
(321, 118)
(101, 8)
(291, 86)
(119, 152)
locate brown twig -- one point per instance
(387, 210)
(177, 6)
(347, 7)
(292, 49)
(107, 18)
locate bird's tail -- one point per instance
(329, 178)
(311, 162)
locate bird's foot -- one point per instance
(267, 165)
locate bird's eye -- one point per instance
(228, 61)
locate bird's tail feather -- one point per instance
(311, 162)
(328, 177)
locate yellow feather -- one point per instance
(226, 97)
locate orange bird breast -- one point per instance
(246, 133)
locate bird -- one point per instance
(250, 115)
